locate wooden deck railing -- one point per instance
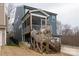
(26, 30)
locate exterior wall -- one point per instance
(2, 21)
(18, 16)
(3, 36)
(2, 25)
(52, 20)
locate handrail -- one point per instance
(26, 29)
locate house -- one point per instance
(23, 14)
(36, 28)
(2, 25)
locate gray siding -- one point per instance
(52, 20)
(18, 16)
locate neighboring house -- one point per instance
(3, 18)
(22, 14)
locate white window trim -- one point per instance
(5, 36)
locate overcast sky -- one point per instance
(67, 13)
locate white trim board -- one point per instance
(0, 38)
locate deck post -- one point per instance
(22, 31)
(46, 22)
(41, 23)
(30, 26)
(22, 37)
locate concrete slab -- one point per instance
(72, 50)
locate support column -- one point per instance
(30, 26)
(22, 31)
(46, 22)
(41, 23)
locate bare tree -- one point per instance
(70, 36)
(59, 28)
(10, 8)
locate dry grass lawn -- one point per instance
(21, 51)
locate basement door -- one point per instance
(0, 38)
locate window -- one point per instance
(43, 21)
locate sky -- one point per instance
(67, 13)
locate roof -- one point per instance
(32, 8)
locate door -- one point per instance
(0, 38)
